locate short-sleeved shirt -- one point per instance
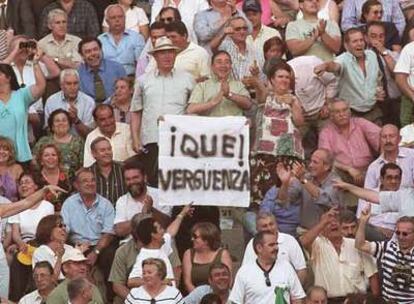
(264, 34)
(401, 201)
(87, 225)
(134, 18)
(405, 63)
(302, 29)
(67, 49)
(59, 295)
(45, 253)
(14, 114)
(170, 295)
(204, 91)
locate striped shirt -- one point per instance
(112, 187)
(170, 295)
(397, 267)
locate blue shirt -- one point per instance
(126, 52)
(109, 71)
(13, 122)
(87, 225)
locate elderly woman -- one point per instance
(70, 146)
(51, 172)
(9, 170)
(206, 251)
(121, 100)
(154, 290)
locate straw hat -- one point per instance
(163, 44)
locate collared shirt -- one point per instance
(401, 201)
(405, 63)
(343, 273)
(87, 225)
(356, 87)
(109, 71)
(407, 135)
(301, 30)
(45, 253)
(312, 90)
(82, 19)
(59, 295)
(67, 49)
(156, 95)
(32, 298)
(204, 91)
(113, 187)
(356, 150)
(352, 11)
(121, 142)
(134, 18)
(83, 103)
(264, 34)
(126, 51)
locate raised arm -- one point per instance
(360, 242)
(366, 194)
(175, 225)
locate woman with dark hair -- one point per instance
(211, 298)
(15, 102)
(206, 251)
(121, 100)
(9, 170)
(71, 146)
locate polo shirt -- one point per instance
(32, 298)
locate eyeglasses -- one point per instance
(241, 28)
(403, 233)
(168, 19)
(267, 279)
(61, 225)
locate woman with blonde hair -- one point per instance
(9, 170)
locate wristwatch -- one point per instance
(385, 53)
(230, 95)
(97, 251)
(56, 59)
(304, 181)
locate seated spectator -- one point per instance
(156, 243)
(220, 95)
(51, 172)
(117, 133)
(211, 298)
(44, 282)
(313, 36)
(219, 282)
(348, 223)
(97, 74)
(328, 10)
(18, 17)
(205, 252)
(135, 18)
(407, 136)
(316, 295)
(289, 248)
(372, 12)
(24, 227)
(82, 19)
(74, 266)
(119, 44)
(121, 100)
(10, 170)
(108, 173)
(70, 146)
(80, 291)
(154, 287)
(60, 45)
(274, 49)
(168, 14)
(266, 15)
(363, 93)
(337, 264)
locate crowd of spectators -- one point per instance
(327, 89)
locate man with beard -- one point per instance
(338, 266)
(140, 198)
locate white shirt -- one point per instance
(3, 221)
(170, 295)
(401, 201)
(407, 135)
(405, 63)
(31, 298)
(134, 18)
(250, 284)
(45, 253)
(341, 274)
(289, 250)
(264, 34)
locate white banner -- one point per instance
(204, 160)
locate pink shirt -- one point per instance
(357, 149)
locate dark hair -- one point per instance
(218, 265)
(209, 233)
(278, 66)
(216, 54)
(406, 34)
(97, 141)
(45, 228)
(376, 23)
(52, 117)
(390, 166)
(258, 239)
(127, 79)
(315, 288)
(211, 298)
(350, 31)
(43, 264)
(366, 8)
(134, 165)
(7, 70)
(177, 15)
(100, 107)
(87, 40)
(347, 216)
(144, 230)
(178, 27)
(274, 41)
(157, 25)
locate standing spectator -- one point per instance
(119, 44)
(82, 19)
(97, 74)
(313, 36)
(18, 16)
(117, 133)
(10, 171)
(121, 100)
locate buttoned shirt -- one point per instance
(121, 142)
(83, 103)
(356, 149)
(405, 63)
(87, 224)
(126, 51)
(32, 298)
(352, 12)
(66, 49)
(264, 34)
(206, 90)
(354, 86)
(82, 19)
(312, 91)
(109, 71)
(156, 95)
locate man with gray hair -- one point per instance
(60, 45)
(80, 291)
(120, 44)
(79, 105)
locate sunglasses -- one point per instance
(403, 233)
(168, 19)
(61, 225)
(267, 279)
(241, 28)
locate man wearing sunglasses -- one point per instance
(395, 256)
(268, 279)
